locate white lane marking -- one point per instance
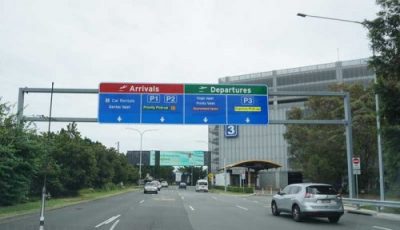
(191, 208)
(214, 197)
(115, 224)
(111, 219)
(382, 228)
(242, 207)
(141, 202)
(182, 197)
(254, 201)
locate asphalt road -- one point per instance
(184, 210)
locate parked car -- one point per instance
(158, 184)
(202, 185)
(182, 185)
(150, 187)
(308, 200)
(164, 184)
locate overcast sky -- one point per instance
(78, 44)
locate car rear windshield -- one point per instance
(202, 183)
(321, 189)
(149, 184)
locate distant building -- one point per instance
(267, 142)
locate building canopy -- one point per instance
(256, 165)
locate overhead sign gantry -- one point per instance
(148, 103)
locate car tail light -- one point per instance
(339, 196)
(308, 195)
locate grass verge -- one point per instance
(84, 195)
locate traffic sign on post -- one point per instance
(356, 166)
(149, 103)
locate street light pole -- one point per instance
(378, 122)
(141, 133)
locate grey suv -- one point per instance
(308, 199)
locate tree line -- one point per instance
(69, 161)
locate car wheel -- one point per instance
(274, 209)
(296, 214)
(144, 192)
(333, 219)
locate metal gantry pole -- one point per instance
(20, 112)
(349, 143)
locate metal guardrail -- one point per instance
(377, 203)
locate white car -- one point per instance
(150, 187)
(308, 199)
(202, 185)
(158, 184)
(164, 184)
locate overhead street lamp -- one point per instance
(328, 18)
(141, 133)
(378, 122)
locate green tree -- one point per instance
(319, 150)
(18, 158)
(76, 161)
(384, 34)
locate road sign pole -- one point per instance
(357, 186)
(349, 143)
(140, 156)
(224, 175)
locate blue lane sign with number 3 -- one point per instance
(231, 130)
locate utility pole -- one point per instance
(46, 161)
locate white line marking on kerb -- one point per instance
(107, 221)
(191, 208)
(382, 228)
(115, 224)
(141, 202)
(242, 207)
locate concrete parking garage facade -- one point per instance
(267, 142)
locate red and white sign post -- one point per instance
(356, 171)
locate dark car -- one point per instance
(182, 185)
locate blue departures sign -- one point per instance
(205, 109)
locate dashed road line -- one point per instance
(238, 206)
(382, 228)
(191, 207)
(214, 197)
(141, 202)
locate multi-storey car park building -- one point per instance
(267, 142)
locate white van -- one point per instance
(202, 185)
